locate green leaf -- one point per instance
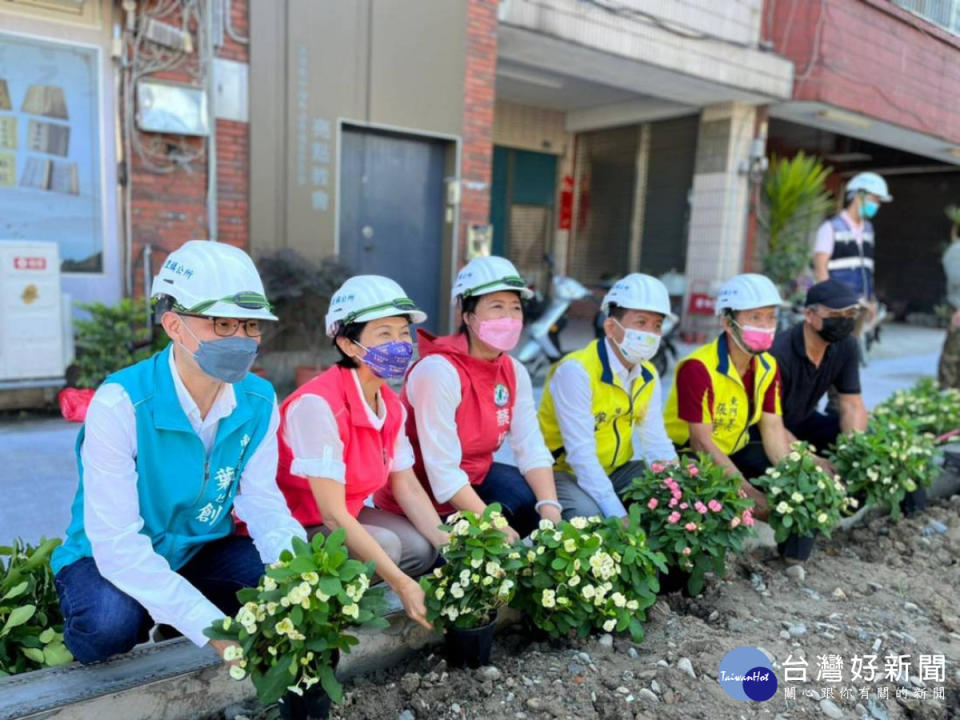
(56, 654)
(47, 635)
(33, 653)
(275, 681)
(18, 617)
(16, 591)
(328, 680)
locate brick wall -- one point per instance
(477, 149)
(168, 210)
(872, 57)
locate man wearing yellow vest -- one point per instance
(725, 389)
(600, 411)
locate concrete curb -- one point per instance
(172, 679)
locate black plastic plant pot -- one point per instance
(469, 647)
(914, 502)
(314, 704)
(797, 547)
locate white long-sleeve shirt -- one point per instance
(312, 433)
(111, 506)
(433, 389)
(572, 401)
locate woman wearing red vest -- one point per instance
(466, 395)
(342, 438)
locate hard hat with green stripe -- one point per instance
(363, 298)
(214, 279)
(485, 275)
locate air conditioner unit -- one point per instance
(32, 347)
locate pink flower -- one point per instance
(748, 518)
(693, 470)
(684, 506)
(653, 503)
(715, 506)
(677, 494)
(656, 467)
(673, 502)
(735, 522)
(690, 526)
(700, 507)
(685, 551)
(670, 481)
(674, 518)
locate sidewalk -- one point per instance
(40, 475)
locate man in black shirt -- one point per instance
(816, 354)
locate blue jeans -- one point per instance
(99, 620)
(505, 485)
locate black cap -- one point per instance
(832, 294)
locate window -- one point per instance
(945, 13)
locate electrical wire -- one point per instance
(228, 24)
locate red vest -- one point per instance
(488, 391)
(367, 452)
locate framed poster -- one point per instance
(50, 184)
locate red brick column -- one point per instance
(170, 209)
(477, 149)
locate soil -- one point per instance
(883, 588)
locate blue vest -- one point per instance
(185, 497)
(852, 262)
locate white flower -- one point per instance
(456, 591)
(505, 587)
(797, 497)
(579, 523)
(820, 484)
(321, 595)
(548, 599)
(822, 518)
(531, 556)
(540, 550)
(272, 608)
(465, 577)
(783, 508)
(588, 591)
(632, 605)
(773, 473)
(775, 490)
(237, 673)
(570, 545)
(609, 625)
(284, 627)
(269, 584)
(795, 456)
(500, 522)
(461, 528)
(618, 599)
(352, 610)
(487, 581)
(232, 652)
(439, 594)
(452, 613)
(574, 581)
(310, 577)
(546, 524)
(493, 568)
(476, 562)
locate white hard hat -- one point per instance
(363, 298)
(485, 275)
(746, 292)
(212, 278)
(639, 292)
(871, 183)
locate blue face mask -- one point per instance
(389, 360)
(227, 359)
(868, 209)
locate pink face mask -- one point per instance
(502, 334)
(756, 339)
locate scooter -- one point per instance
(546, 317)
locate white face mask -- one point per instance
(638, 345)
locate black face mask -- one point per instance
(836, 329)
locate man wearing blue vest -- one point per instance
(844, 249)
(170, 448)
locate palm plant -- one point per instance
(795, 201)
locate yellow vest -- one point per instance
(615, 412)
(730, 402)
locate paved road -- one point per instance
(38, 470)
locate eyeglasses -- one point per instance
(849, 312)
(513, 281)
(228, 327)
(405, 304)
(245, 300)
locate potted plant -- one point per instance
(589, 575)
(292, 627)
(926, 406)
(31, 626)
(692, 512)
(477, 578)
(299, 291)
(887, 463)
(804, 501)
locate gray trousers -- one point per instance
(402, 542)
(575, 500)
